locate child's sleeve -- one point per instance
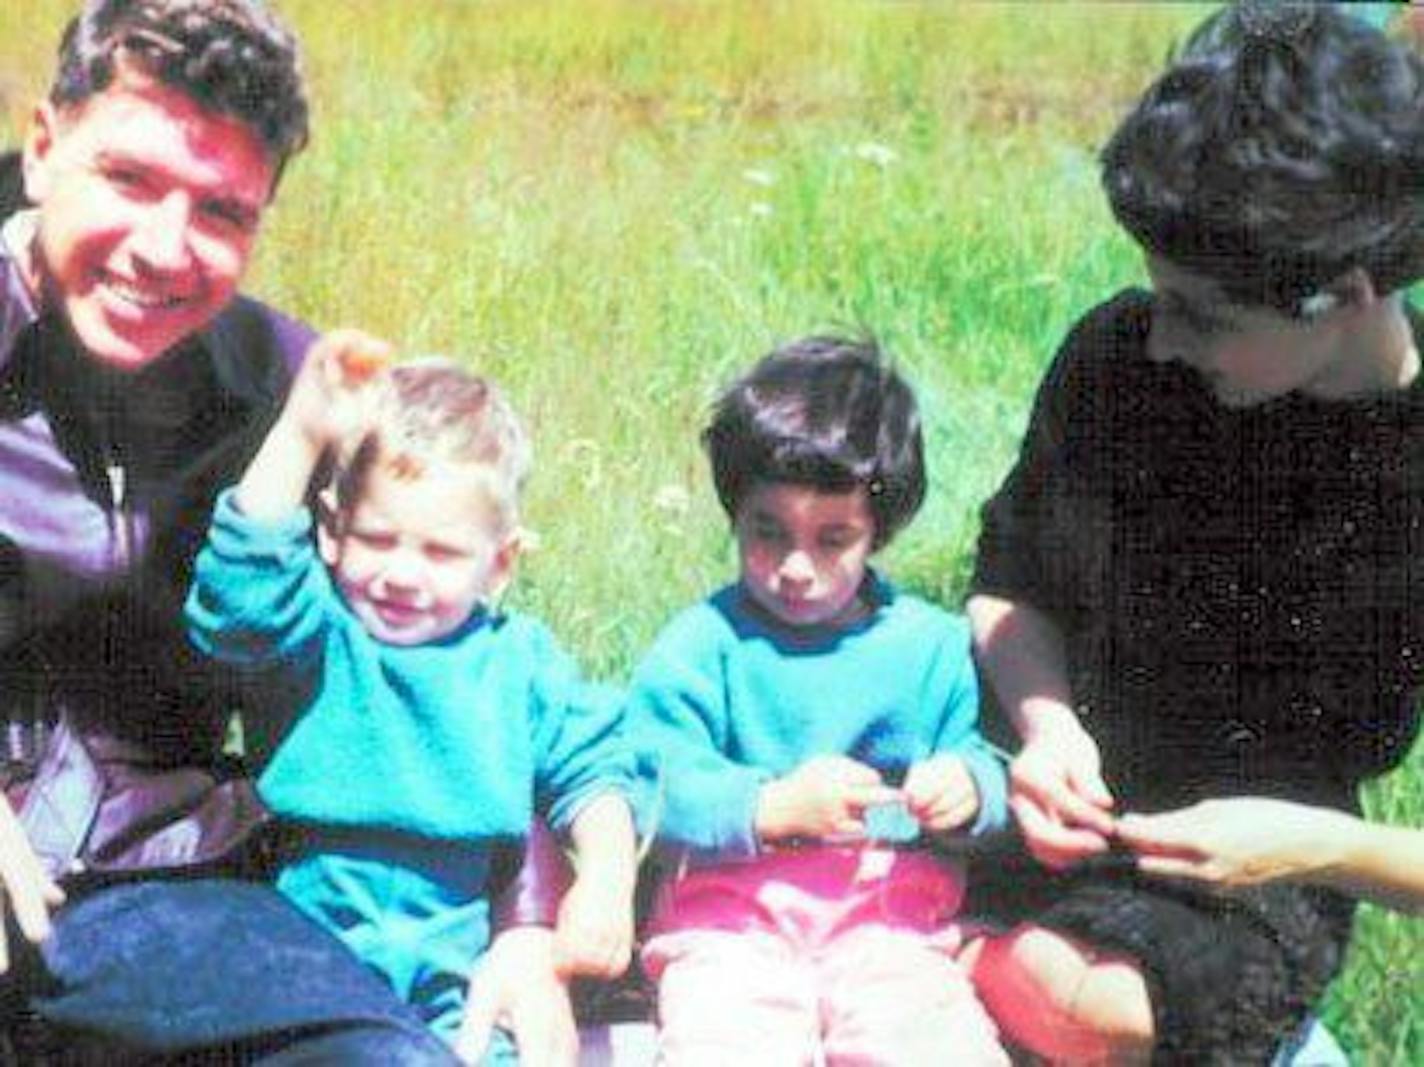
(581, 749)
(679, 721)
(956, 692)
(259, 591)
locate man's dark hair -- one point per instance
(232, 57)
(825, 412)
(1283, 147)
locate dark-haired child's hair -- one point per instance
(1282, 148)
(825, 412)
(231, 56)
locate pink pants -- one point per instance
(841, 956)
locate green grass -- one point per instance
(612, 206)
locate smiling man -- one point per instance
(134, 383)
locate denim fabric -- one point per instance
(215, 971)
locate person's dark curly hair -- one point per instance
(825, 412)
(231, 56)
(1283, 147)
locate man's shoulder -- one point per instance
(249, 334)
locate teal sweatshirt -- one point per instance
(728, 699)
(460, 740)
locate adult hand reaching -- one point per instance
(1244, 841)
(1057, 793)
(29, 891)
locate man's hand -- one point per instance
(941, 794)
(1057, 793)
(825, 797)
(31, 892)
(594, 936)
(515, 986)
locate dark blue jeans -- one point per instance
(208, 971)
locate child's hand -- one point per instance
(324, 404)
(514, 986)
(824, 797)
(594, 935)
(941, 794)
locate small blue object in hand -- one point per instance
(891, 822)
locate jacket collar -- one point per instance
(17, 307)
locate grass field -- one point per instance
(611, 206)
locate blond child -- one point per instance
(413, 727)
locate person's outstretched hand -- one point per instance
(1057, 793)
(24, 886)
(1235, 842)
(515, 986)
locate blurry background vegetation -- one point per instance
(612, 207)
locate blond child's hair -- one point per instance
(430, 413)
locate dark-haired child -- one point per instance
(416, 726)
(815, 732)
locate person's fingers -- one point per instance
(1156, 834)
(363, 357)
(1052, 843)
(954, 809)
(478, 1024)
(31, 911)
(853, 772)
(1056, 796)
(31, 891)
(597, 954)
(860, 797)
(545, 1032)
(848, 826)
(1087, 782)
(924, 783)
(568, 952)
(1173, 867)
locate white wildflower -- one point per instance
(876, 154)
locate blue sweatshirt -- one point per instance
(728, 699)
(460, 740)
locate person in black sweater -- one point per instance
(1199, 580)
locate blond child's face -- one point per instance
(804, 552)
(415, 556)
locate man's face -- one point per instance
(148, 208)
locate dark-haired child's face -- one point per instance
(804, 552)
(1247, 355)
